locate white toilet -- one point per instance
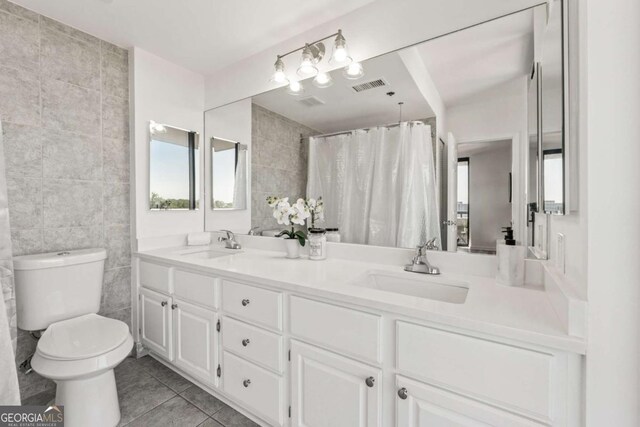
(60, 292)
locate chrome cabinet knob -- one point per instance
(245, 342)
(246, 382)
(245, 302)
(402, 393)
(163, 303)
(174, 306)
(370, 381)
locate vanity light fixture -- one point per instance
(353, 71)
(312, 55)
(295, 88)
(322, 80)
(340, 53)
(309, 60)
(279, 76)
(157, 127)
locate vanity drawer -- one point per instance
(195, 287)
(253, 304)
(258, 388)
(347, 331)
(154, 276)
(253, 343)
(512, 377)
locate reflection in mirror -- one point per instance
(228, 174)
(552, 98)
(173, 168)
(438, 140)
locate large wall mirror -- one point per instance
(442, 141)
(173, 168)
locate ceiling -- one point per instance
(344, 109)
(480, 58)
(202, 35)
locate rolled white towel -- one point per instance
(198, 239)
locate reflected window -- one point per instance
(553, 181)
(228, 174)
(462, 217)
(173, 168)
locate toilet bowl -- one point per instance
(79, 354)
(60, 293)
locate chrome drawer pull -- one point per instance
(245, 302)
(163, 303)
(245, 342)
(402, 393)
(246, 383)
(370, 381)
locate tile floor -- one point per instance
(153, 395)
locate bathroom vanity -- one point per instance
(344, 342)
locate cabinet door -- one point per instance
(155, 322)
(332, 391)
(421, 405)
(196, 340)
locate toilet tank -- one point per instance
(57, 286)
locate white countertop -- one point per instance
(516, 313)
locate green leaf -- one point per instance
(283, 233)
(301, 239)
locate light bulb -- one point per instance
(323, 80)
(279, 76)
(307, 66)
(354, 71)
(295, 88)
(340, 53)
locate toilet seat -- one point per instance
(82, 346)
(82, 337)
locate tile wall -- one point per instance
(278, 162)
(65, 117)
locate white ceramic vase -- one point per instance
(293, 248)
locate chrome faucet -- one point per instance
(229, 241)
(254, 231)
(420, 264)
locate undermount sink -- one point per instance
(209, 254)
(412, 284)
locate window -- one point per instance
(173, 168)
(553, 181)
(462, 218)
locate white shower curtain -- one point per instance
(378, 185)
(240, 186)
(9, 392)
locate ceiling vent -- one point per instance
(310, 101)
(369, 85)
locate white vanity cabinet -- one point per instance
(422, 405)
(301, 360)
(175, 328)
(155, 324)
(196, 340)
(331, 390)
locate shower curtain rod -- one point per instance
(345, 132)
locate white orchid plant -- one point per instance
(295, 214)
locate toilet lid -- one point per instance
(82, 337)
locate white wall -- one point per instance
(613, 203)
(169, 94)
(377, 28)
(232, 122)
(497, 114)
